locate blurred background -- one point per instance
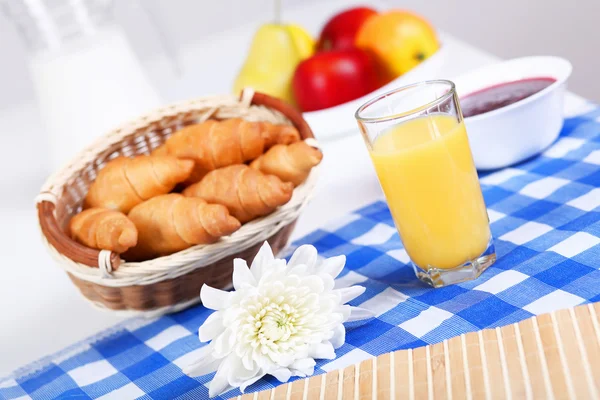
(506, 29)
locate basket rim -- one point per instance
(77, 259)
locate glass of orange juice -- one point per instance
(417, 140)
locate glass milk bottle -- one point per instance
(85, 73)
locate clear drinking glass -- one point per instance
(418, 144)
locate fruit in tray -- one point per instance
(130, 209)
(399, 41)
(275, 52)
(339, 32)
(358, 51)
(334, 77)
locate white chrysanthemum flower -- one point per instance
(277, 321)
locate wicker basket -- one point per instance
(173, 282)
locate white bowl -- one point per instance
(339, 120)
(523, 129)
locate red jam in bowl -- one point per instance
(501, 95)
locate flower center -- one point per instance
(275, 323)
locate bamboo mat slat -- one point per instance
(551, 356)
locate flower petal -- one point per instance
(238, 374)
(350, 293)
(242, 275)
(263, 258)
(299, 270)
(306, 255)
(223, 343)
(249, 382)
(215, 299)
(345, 310)
(303, 367)
(281, 374)
(285, 360)
(248, 361)
(339, 336)
(205, 364)
(201, 369)
(314, 283)
(219, 382)
(328, 281)
(358, 313)
(333, 265)
(322, 351)
(212, 327)
(204, 351)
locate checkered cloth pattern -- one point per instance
(545, 217)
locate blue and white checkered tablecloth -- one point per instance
(545, 216)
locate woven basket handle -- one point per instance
(87, 256)
(291, 113)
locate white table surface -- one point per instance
(42, 312)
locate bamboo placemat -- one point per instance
(551, 356)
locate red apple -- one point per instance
(334, 77)
(340, 32)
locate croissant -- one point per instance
(246, 192)
(290, 163)
(172, 222)
(125, 182)
(103, 229)
(278, 134)
(214, 144)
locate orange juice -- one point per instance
(427, 173)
